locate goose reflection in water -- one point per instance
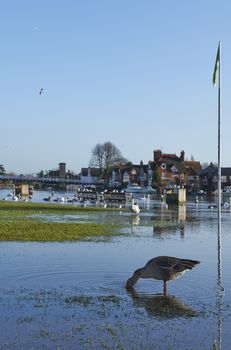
(166, 307)
(159, 230)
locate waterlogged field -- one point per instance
(70, 294)
(47, 222)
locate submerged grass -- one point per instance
(49, 231)
(16, 225)
(47, 207)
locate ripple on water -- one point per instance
(32, 276)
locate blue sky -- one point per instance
(136, 73)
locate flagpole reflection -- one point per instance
(220, 290)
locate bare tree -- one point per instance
(97, 156)
(106, 155)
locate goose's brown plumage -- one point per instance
(163, 268)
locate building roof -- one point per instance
(170, 156)
(129, 166)
(180, 167)
(212, 171)
(195, 165)
(226, 171)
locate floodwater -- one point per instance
(72, 296)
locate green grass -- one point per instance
(16, 225)
(28, 206)
(49, 231)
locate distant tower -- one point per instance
(182, 154)
(62, 170)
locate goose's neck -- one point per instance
(132, 280)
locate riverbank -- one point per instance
(22, 221)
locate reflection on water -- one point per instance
(159, 306)
(220, 288)
(181, 213)
(135, 219)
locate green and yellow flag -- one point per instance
(217, 63)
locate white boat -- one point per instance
(11, 197)
(135, 188)
(148, 190)
(227, 191)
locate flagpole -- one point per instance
(220, 289)
(219, 166)
(219, 140)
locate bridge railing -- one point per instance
(19, 178)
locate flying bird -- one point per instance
(163, 268)
(41, 91)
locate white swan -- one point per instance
(135, 207)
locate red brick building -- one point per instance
(175, 170)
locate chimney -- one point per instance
(157, 155)
(182, 156)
